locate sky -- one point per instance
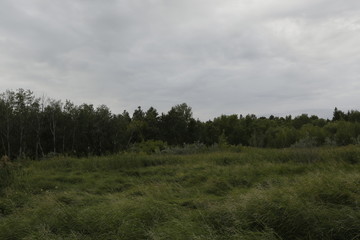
(268, 57)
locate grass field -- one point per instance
(246, 194)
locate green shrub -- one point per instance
(186, 149)
(7, 173)
(149, 146)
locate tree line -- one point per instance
(36, 127)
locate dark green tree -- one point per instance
(175, 125)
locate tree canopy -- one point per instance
(35, 127)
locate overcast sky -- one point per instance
(219, 56)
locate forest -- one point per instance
(36, 127)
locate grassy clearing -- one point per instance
(251, 194)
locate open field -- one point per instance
(246, 194)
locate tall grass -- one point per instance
(251, 194)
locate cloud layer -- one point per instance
(221, 57)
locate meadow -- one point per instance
(238, 193)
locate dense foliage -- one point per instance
(37, 127)
(253, 194)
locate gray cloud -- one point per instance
(221, 57)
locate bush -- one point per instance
(186, 149)
(150, 146)
(6, 172)
(306, 142)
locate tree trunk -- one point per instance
(53, 132)
(3, 144)
(8, 139)
(21, 141)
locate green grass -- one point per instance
(249, 194)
